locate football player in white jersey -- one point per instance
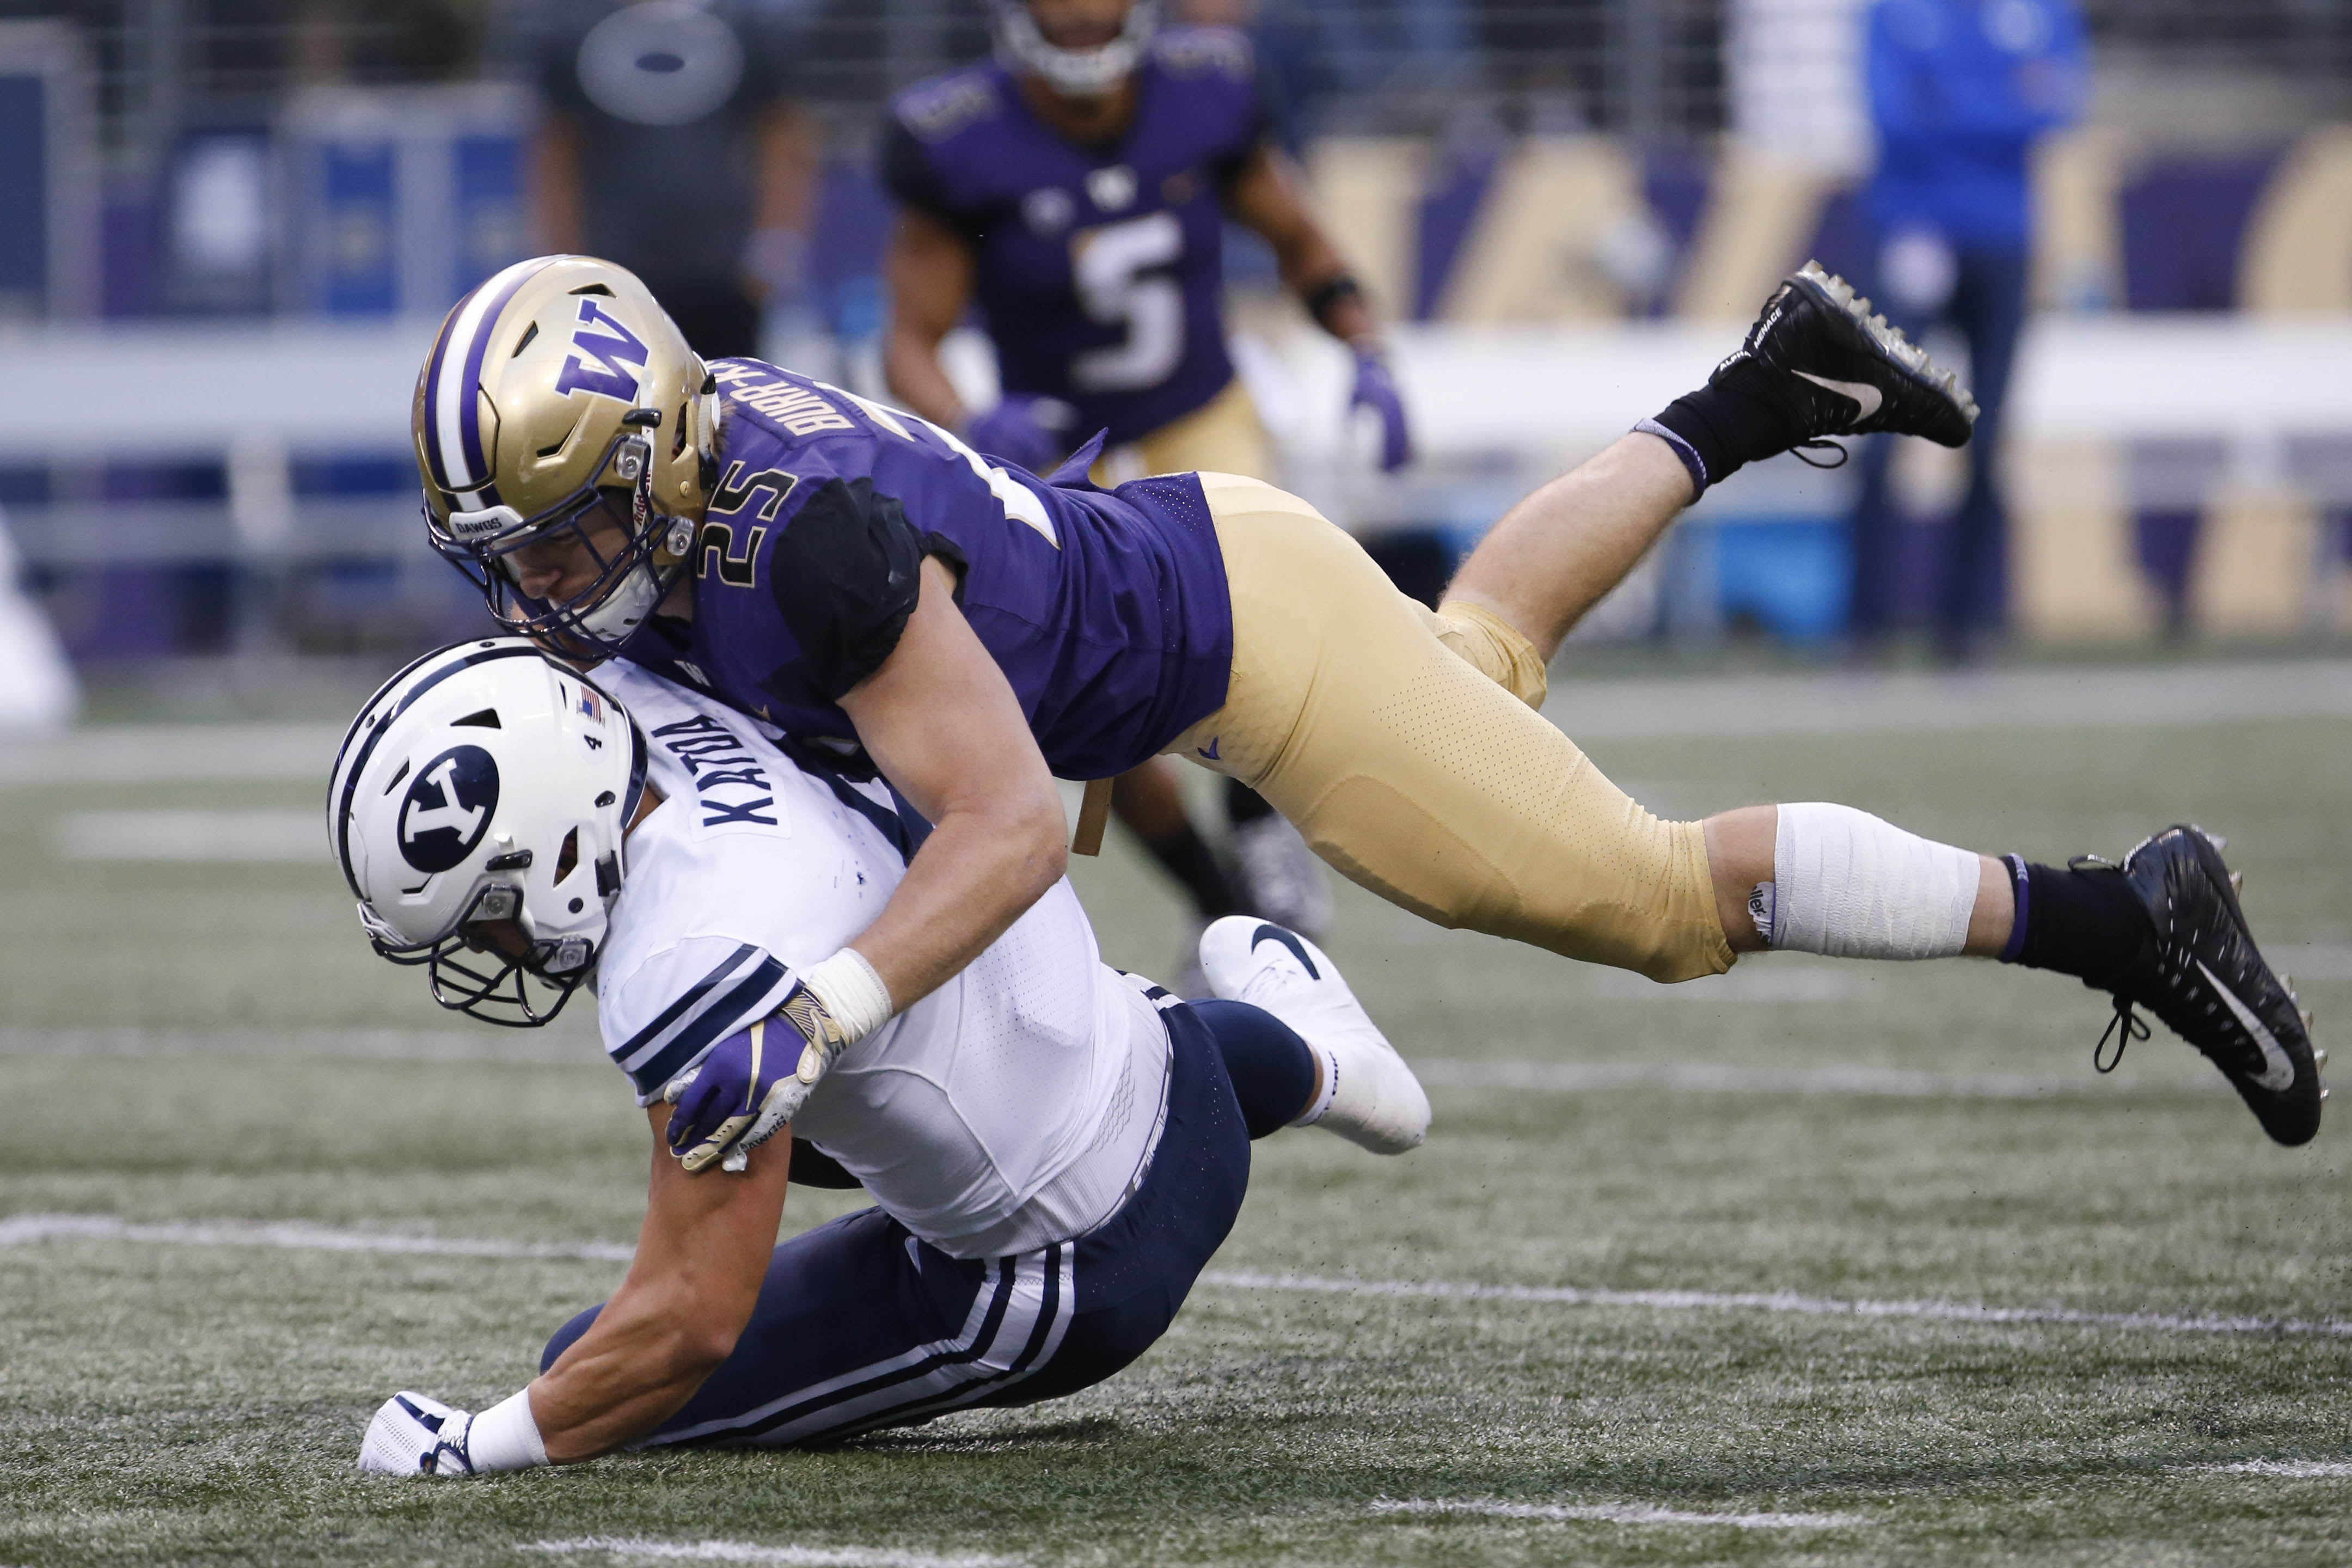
(1055, 1149)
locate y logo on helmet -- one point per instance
(448, 808)
(613, 349)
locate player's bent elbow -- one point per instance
(1045, 841)
(698, 1332)
(698, 1344)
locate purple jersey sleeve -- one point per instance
(1099, 272)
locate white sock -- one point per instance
(506, 1437)
(1849, 885)
(1327, 1069)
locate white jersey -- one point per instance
(1013, 1107)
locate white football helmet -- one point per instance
(487, 784)
(1021, 46)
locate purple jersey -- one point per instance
(1100, 271)
(1107, 610)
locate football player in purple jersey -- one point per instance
(868, 583)
(1076, 191)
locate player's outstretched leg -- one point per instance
(1817, 364)
(2162, 931)
(1363, 1090)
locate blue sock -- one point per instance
(1272, 1070)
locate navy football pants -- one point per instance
(862, 1325)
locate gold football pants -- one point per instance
(1405, 745)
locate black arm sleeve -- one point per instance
(845, 574)
(908, 175)
(1257, 132)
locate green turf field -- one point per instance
(1721, 1170)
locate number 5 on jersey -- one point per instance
(1112, 267)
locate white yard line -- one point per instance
(17, 1230)
(2285, 1470)
(752, 1552)
(509, 1048)
(21, 1230)
(1619, 1513)
(174, 754)
(1714, 1078)
(294, 836)
(1867, 703)
(1776, 1301)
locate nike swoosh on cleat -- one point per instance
(2278, 1073)
(1269, 932)
(1862, 392)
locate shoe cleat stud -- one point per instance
(2237, 882)
(2318, 1054)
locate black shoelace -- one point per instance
(2124, 1027)
(1804, 450)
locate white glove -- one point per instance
(414, 1434)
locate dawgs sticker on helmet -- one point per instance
(448, 808)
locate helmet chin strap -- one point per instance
(622, 611)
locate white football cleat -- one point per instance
(1368, 1095)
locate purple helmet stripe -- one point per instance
(432, 394)
(470, 408)
(454, 403)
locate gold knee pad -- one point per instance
(1416, 767)
(1495, 647)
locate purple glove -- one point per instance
(1376, 389)
(744, 1090)
(1029, 431)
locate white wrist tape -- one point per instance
(506, 1437)
(1849, 885)
(852, 993)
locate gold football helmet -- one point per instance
(556, 386)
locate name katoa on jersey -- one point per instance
(997, 1109)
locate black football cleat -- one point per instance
(1819, 351)
(2201, 972)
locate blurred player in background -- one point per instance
(1960, 90)
(1077, 190)
(668, 144)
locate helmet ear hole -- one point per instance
(568, 857)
